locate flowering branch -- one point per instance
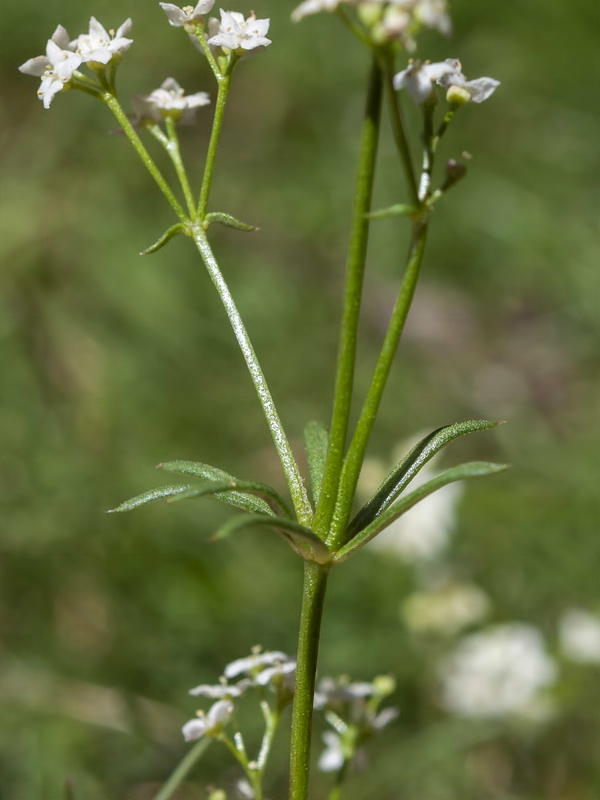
(357, 252)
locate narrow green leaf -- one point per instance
(472, 469)
(229, 221)
(405, 471)
(316, 441)
(147, 497)
(236, 492)
(166, 237)
(400, 210)
(223, 493)
(302, 540)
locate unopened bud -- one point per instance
(454, 172)
(370, 13)
(458, 96)
(384, 685)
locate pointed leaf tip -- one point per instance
(166, 237)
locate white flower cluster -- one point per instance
(420, 76)
(352, 710)
(64, 56)
(497, 672)
(395, 18)
(579, 634)
(169, 100)
(233, 32)
(272, 669)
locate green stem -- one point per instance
(356, 451)
(271, 722)
(313, 599)
(336, 791)
(213, 145)
(399, 133)
(201, 37)
(183, 769)
(114, 105)
(355, 268)
(175, 156)
(288, 462)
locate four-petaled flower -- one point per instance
(210, 724)
(188, 15)
(419, 77)
(169, 100)
(255, 663)
(234, 32)
(55, 68)
(460, 90)
(100, 46)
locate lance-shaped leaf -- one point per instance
(405, 471)
(472, 469)
(302, 540)
(229, 221)
(266, 500)
(316, 441)
(166, 237)
(147, 497)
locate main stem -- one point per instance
(288, 462)
(356, 451)
(355, 268)
(313, 599)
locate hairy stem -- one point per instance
(313, 599)
(288, 462)
(355, 268)
(123, 120)
(211, 155)
(182, 770)
(174, 152)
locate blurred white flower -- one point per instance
(221, 691)
(332, 691)
(314, 7)
(332, 758)
(169, 100)
(209, 724)
(179, 17)
(55, 68)
(497, 672)
(579, 633)
(234, 32)
(281, 675)
(460, 89)
(446, 609)
(434, 14)
(100, 46)
(255, 663)
(419, 78)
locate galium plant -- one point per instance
(319, 524)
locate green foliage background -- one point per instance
(111, 363)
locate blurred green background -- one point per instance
(111, 363)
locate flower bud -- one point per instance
(458, 96)
(370, 13)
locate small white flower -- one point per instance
(188, 15)
(332, 758)
(100, 46)
(314, 7)
(169, 100)
(579, 633)
(208, 724)
(220, 691)
(55, 68)
(331, 691)
(234, 32)
(477, 91)
(283, 673)
(252, 664)
(419, 77)
(384, 718)
(434, 14)
(497, 672)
